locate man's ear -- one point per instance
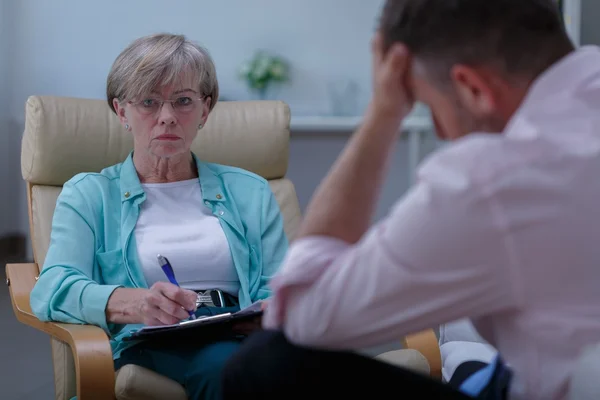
(474, 90)
(120, 110)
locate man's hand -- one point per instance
(162, 304)
(392, 97)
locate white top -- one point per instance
(175, 223)
(503, 229)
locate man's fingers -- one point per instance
(264, 304)
(397, 60)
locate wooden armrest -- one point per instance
(90, 346)
(426, 343)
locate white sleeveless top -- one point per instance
(175, 222)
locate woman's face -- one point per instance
(165, 122)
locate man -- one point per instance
(502, 226)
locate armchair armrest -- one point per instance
(426, 343)
(90, 346)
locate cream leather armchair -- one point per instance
(65, 136)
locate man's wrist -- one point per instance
(382, 120)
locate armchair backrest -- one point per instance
(65, 136)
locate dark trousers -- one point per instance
(464, 371)
(267, 366)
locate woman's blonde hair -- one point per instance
(160, 59)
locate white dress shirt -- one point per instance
(502, 229)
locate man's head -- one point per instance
(474, 60)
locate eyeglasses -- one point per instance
(182, 104)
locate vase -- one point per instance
(260, 94)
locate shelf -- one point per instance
(349, 124)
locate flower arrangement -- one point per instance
(262, 71)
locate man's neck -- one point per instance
(152, 169)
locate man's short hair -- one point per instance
(521, 38)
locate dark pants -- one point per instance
(197, 365)
(464, 371)
(267, 366)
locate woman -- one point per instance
(219, 226)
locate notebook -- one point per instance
(208, 324)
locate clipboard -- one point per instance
(203, 325)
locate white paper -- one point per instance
(198, 320)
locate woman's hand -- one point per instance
(162, 304)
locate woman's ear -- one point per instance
(120, 111)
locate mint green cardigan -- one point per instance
(92, 247)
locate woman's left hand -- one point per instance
(247, 327)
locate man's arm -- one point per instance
(439, 256)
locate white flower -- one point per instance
(245, 69)
(278, 71)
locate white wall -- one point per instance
(590, 29)
(3, 109)
(66, 47)
(11, 189)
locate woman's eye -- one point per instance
(184, 101)
(148, 102)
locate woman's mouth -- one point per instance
(168, 136)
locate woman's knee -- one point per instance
(204, 375)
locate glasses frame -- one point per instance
(138, 104)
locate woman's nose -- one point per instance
(166, 114)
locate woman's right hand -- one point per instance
(165, 304)
(162, 304)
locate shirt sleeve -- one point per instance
(66, 291)
(440, 255)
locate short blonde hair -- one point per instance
(155, 60)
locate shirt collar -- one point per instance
(556, 87)
(567, 75)
(210, 183)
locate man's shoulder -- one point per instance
(492, 161)
(471, 159)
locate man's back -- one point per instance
(503, 229)
(543, 178)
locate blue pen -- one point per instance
(168, 270)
